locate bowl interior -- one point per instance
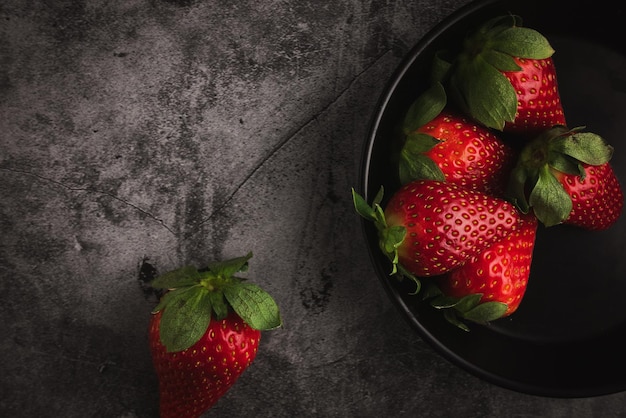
(565, 340)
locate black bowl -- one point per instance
(568, 338)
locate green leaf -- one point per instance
(229, 267)
(391, 238)
(425, 108)
(418, 143)
(486, 92)
(586, 147)
(379, 196)
(467, 303)
(467, 307)
(441, 67)
(495, 25)
(418, 167)
(452, 317)
(404, 273)
(461, 305)
(185, 276)
(362, 208)
(443, 302)
(165, 299)
(550, 202)
(218, 304)
(564, 163)
(185, 318)
(501, 61)
(431, 292)
(485, 312)
(413, 164)
(254, 305)
(522, 42)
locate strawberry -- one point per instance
(192, 380)
(204, 333)
(565, 177)
(539, 104)
(504, 78)
(490, 285)
(455, 149)
(597, 197)
(430, 227)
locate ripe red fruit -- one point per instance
(192, 380)
(504, 78)
(539, 104)
(204, 333)
(491, 284)
(453, 148)
(430, 227)
(565, 177)
(597, 199)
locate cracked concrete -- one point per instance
(148, 134)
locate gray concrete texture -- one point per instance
(163, 133)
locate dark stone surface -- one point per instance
(150, 134)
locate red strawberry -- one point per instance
(539, 104)
(192, 380)
(504, 78)
(430, 227)
(565, 177)
(452, 148)
(204, 333)
(491, 284)
(597, 198)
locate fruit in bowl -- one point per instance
(485, 158)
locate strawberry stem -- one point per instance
(390, 237)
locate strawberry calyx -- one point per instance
(195, 296)
(413, 163)
(534, 183)
(467, 308)
(474, 78)
(390, 237)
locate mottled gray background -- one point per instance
(175, 132)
